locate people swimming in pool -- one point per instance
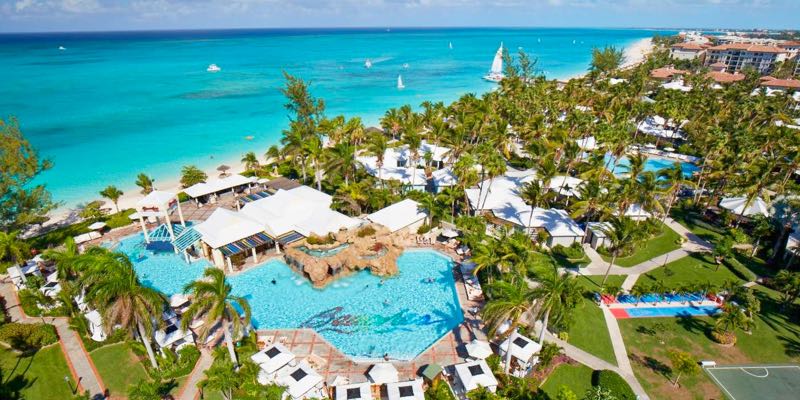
(274, 282)
(386, 303)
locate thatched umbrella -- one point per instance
(223, 169)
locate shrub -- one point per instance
(175, 365)
(573, 252)
(739, 269)
(494, 362)
(320, 240)
(119, 219)
(548, 352)
(614, 383)
(29, 303)
(724, 338)
(366, 231)
(423, 229)
(28, 336)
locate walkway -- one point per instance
(190, 389)
(78, 360)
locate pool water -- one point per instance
(363, 315)
(653, 164)
(323, 253)
(682, 311)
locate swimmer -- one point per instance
(383, 281)
(386, 303)
(274, 282)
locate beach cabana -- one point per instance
(479, 349)
(636, 213)
(97, 226)
(522, 348)
(273, 358)
(383, 373)
(740, 206)
(588, 143)
(301, 381)
(475, 374)
(227, 233)
(409, 390)
(214, 187)
(173, 337)
(404, 214)
(158, 204)
(353, 391)
(95, 321)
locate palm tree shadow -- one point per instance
(692, 324)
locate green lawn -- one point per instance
(37, 376)
(658, 245)
(697, 226)
(691, 269)
(592, 282)
(118, 367)
(775, 339)
(576, 377)
(588, 331)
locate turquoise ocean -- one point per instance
(111, 105)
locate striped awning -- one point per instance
(253, 197)
(245, 244)
(290, 237)
(161, 233)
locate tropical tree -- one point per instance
(508, 302)
(250, 161)
(113, 285)
(191, 175)
(213, 302)
(531, 193)
(673, 180)
(622, 232)
(556, 296)
(731, 318)
(12, 247)
(606, 60)
(599, 393)
(788, 283)
(112, 193)
(683, 364)
(221, 376)
(145, 182)
(65, 259)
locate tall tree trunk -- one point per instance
(544, 325)
(507, 366)
(226, 331)
(147, 346)
(608, 270)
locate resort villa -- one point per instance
(688, 51)
(205, 192)
(404, 215)
(399, 164)
(737, 56)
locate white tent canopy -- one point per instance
(354, 391)
(588, 143)
(409, 390)
(398, 215)
(479, 349)
(383, 373)
(298, 380)
(273, 357)
(225, 226)
(522, 348)
(566, 185)
(217, 185)
(155, 202)
(476, 374)
(737, 204)
(97, 225)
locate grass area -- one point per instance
(577, 378)
(775, 339)
(57, 236)
(118, 367)
(693, 222)
(37, 376)
(588, 331)
(592, 282)
(697, 267)
(662, 243)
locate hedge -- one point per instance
(614, 383)
(28, 336)
(739, 269)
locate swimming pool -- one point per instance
(653, 164)
(653, 312)
(363, 315)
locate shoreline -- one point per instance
(634, 54)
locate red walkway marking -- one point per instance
(619, 313)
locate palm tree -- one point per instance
(112, 193)
(113, 285)
(623, 232)
(556, 296)
(250, 161)
(145, 182)
(673, 180)
(221, 376)
(638, 290)
(376, 147)
(13, 248)
(731, 318)
(212, 300)
(341, 159)
(508, 301)
(64, 259)
(531, 193)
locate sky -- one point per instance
(107, 15)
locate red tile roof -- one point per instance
(791, 43)
(666, 72)
(753, 48)
(688, 46)
(781, 83)
(725, 77)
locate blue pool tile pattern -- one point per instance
(678, 311)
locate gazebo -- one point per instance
(522, 348)
(354, 391)
(158, 204)
(475, 374)
(273, 358)
(409, 390)
(383, 373)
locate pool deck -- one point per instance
(330, 362)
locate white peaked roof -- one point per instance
(398, 215)
(156, 199)
(475, 374)
(521, 347)
(298, 380)
(383, 373)
(354, 391)
(225, 226)
(556, 222)
(302, 209)
(676, 85)
(170, 336)
(406, 174)
(599, 229)
(479, 349)
(94, 318)
(500, 191)
(273, 357)
(217, 185)
(636, 211)
(409, 390)
(588, 143)
(737, 204)
(565, 185)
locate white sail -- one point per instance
(497, 63)
(400, 84)
(450, 45)
(368, 64)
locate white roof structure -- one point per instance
(588, 143)
(676, 85)
(155, 201)
(302, 209)
(397, 165)
(178, 299)
(95, 325)
(498, 192)
(97, 225)
(354, 391)
(166, 338)
(85, 237)
(225, 226)
(398, 215)
(476, 374)
(273, 358)
(615, 81)
(599, 229)
(566, 185)
(636, 211)
(522, 348)
(479, 349)
(556, 222)
(383, 373)
(298, 380)
(737, 204)
(654, 126)
(409, 390)
(217, 185)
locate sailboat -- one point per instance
(496, 73)
(62, 48)
(450, 45)
(400, 84)
(368, 64)
(213, 68)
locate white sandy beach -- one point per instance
(637, 52)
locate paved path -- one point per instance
(617, 342)
(630, 281)
(190, 390)
(78, 359)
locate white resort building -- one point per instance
(737, 56)
(399, 164)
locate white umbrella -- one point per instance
(449, 233)
(383, 373)
(650, 146)
(737, 204)
(670, 149)
(479, 349)
(97, 225)
(177, 300)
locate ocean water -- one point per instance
(112, 105)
